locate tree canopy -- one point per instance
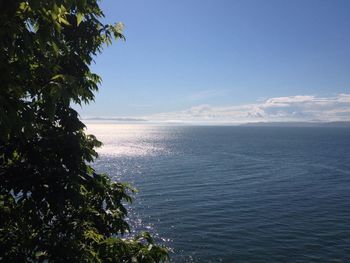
(53, 205)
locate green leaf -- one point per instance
(80, 17)
(58, 76)
(63, 20)
(55, 48)
(40, 254)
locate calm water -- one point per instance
(236, 194)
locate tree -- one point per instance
(53, 205)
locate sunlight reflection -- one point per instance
(127, 139)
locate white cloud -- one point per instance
(292, 108)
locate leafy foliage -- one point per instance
(53, 206)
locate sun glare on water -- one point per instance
(125, 139)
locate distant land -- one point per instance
(250, 124)
(300, 124)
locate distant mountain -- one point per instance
(114, 119)
(299, 124)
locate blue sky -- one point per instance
(185, 55)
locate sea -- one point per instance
(235, 193)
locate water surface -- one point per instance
(236, 194)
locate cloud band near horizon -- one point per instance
(280, 109)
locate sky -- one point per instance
(226, 61)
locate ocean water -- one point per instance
(236, 194)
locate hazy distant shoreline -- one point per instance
(299, 124)
(129, 120)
